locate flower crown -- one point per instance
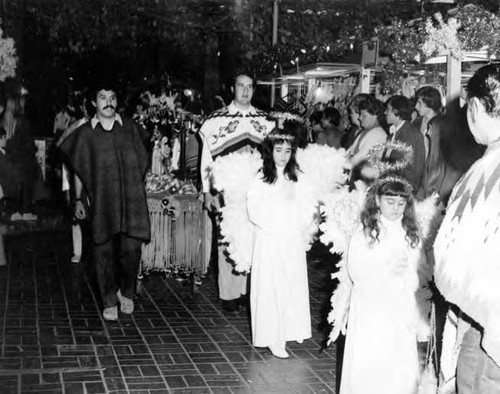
(403, 150)
(284, 137)
(281, 117)
(384, 180)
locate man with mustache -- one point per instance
(110, 160)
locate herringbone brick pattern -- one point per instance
(54, 340)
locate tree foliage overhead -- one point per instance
(322, 30)
(198, 43)
(142, 36)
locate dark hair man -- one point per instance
(397, 115)
(468, 245)
(239, 127)
(109, 157)
(439, 176)
(330, 134)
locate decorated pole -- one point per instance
(274, 42)
(453, 81)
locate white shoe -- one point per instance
(76, 259)
(16, 216)
(29, 216)
(110, 314)
(279, 352)
(300, 341)
(126, 304)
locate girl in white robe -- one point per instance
(380, 355)
(281, 207)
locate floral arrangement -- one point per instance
(408, 43)
(154, 112)
(442, 39)
(164, 119)
(479, 29)
(157, 113)
(156, 183)
(8, 58)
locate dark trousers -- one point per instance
(117, 262)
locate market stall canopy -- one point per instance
(314, 71)
(471, 61)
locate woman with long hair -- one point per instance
(281, 207)
(383, 260)
(20, 147)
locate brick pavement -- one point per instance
(53, 338)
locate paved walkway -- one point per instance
(53, 338)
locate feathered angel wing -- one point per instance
(429, 217)
(324, 168)
(341, 211)
(232, 175)
(340, 302)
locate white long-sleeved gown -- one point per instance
(380, 355)
(281, 213)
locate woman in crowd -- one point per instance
(383, 258)
(20, 146)
(370, 117)
(353, 131)
(281, 207)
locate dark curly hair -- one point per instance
(485, 85)
(390, 185)
(277, 137)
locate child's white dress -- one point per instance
(279, 294)
(380, 353)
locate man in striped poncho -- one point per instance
(239, 127)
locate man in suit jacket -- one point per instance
(398, 114)
(439, 175)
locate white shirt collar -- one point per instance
(394, 129)
(94, 121)
(233, 109)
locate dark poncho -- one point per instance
(112, 165)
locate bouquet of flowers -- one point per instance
(160, 183)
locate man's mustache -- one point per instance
(110, 107)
